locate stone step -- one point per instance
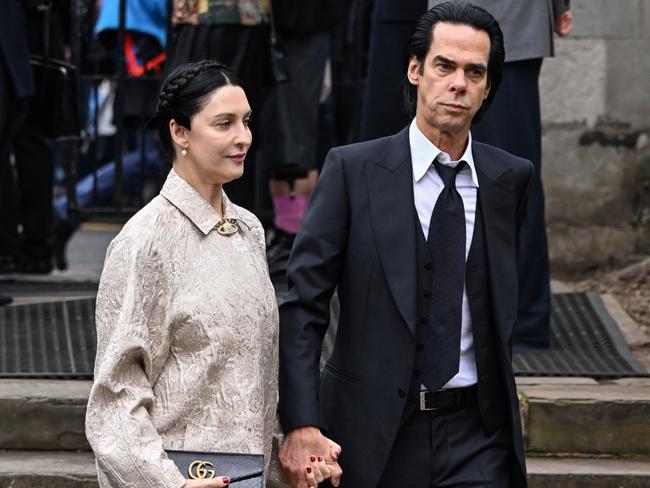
(588, 473)
(45, 469)
(582, 416)
(43, 414)
(560, 415)
(48, 469)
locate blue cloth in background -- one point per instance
(146, 16)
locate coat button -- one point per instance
(428, 265)
(419, 346)
(401, 393)
(417, 372)
(426, 292)
(424, 320)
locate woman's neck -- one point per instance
(211, 192)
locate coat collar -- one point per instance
(392, 212)
(498, 204)
(191, 204)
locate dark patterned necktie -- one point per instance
(446, 241)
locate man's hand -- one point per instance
(299, 446)
(564, 23)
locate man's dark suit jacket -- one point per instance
(359, 235)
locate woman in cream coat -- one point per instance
(186, 315)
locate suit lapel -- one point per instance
(390, 190)
(497, 197)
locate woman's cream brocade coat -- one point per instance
(187, 326)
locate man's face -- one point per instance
(452, 81)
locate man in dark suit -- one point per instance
(419, 231)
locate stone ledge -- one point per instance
(588, 473)
(608, 418)
(31, 469)
(43, 414)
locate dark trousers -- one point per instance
(513, 123)
(448, 448)
(28, 196)
(13, 111)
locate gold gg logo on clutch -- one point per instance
(201, 470)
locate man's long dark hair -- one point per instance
(455, 12)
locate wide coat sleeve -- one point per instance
(313, 273)
(133, 342)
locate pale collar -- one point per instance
(191, 204)
(423, 152)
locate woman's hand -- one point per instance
(218, 482)
(317, 471)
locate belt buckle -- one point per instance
(423, 403)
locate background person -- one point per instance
(291, 115)
(16, 85)
(26, 215)
(234, 32)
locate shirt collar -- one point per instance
(423, 152)
(191, 204)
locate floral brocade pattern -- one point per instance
(187, 326)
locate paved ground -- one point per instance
(86, 252)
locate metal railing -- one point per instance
(119, 207)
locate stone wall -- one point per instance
(595, 97)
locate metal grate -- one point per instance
(51, 339)
(57, 339)
(585, 341)
(45, 287)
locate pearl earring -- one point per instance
(184, 152)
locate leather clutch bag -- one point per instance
(244, 470)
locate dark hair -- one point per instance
(455, 12)
(185, 92)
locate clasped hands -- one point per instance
(307, 457)
(303, 446)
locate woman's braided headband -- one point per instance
(175, 83)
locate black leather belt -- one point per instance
(448, 398)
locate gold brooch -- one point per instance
(227, 227)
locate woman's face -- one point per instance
(220, 136)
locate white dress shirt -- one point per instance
(427, 186)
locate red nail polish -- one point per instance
(313, 459)
(308, 470)
(225, 480)
(320, 459)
